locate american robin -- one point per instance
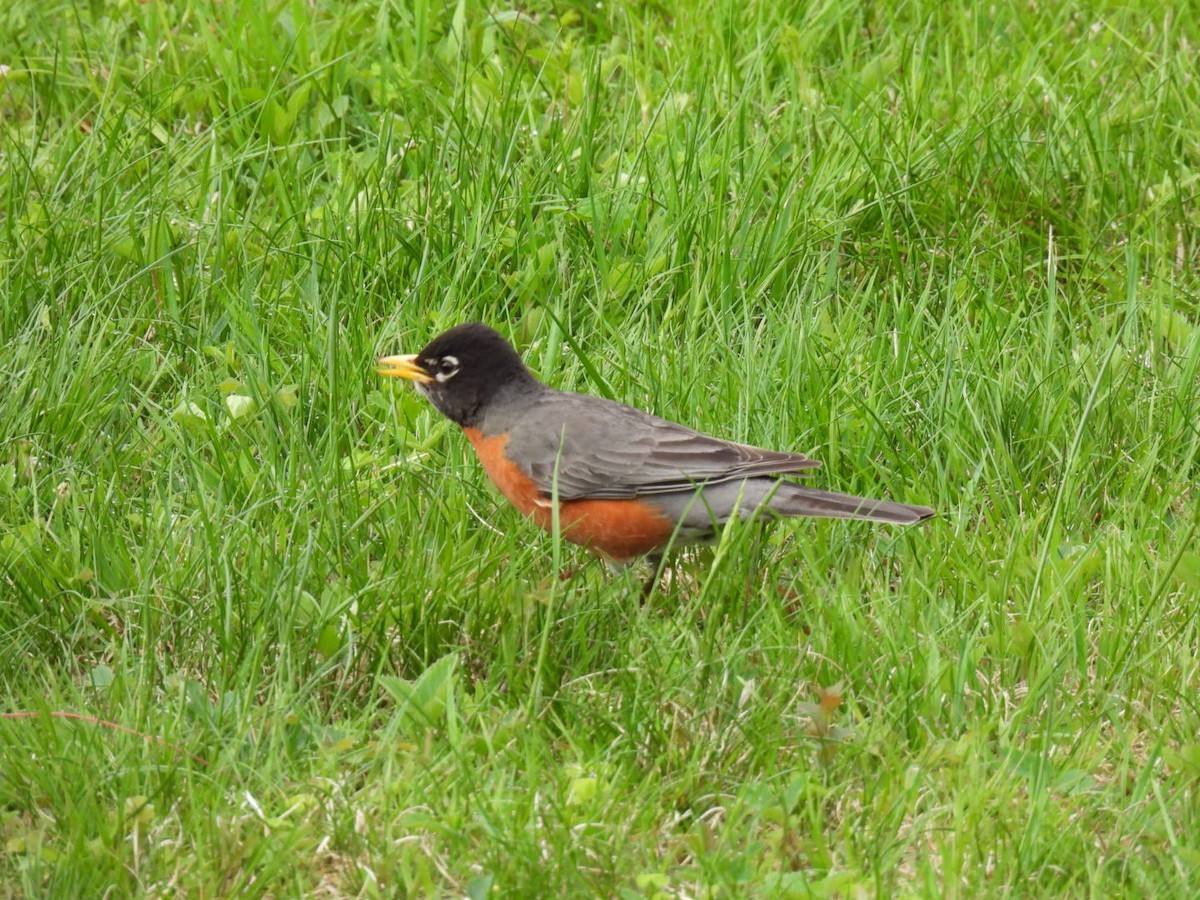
(628, 483)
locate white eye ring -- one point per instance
(447, 368)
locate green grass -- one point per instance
(950, 250)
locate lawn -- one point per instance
(266, 629)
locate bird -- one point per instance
(627, 483)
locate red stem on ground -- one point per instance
(80, 717)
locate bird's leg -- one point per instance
(647, 589)
(656, 568)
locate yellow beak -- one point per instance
(403, 367)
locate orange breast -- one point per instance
(621, 529)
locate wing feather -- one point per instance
(606, 450)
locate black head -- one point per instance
(461, 370)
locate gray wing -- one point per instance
(606, 450)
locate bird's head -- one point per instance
(461, 370)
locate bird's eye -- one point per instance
(447, 368)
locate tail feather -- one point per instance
(795, 500)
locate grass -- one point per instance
(948, 250)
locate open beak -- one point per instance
(403, 367)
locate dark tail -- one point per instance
(794, 500)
